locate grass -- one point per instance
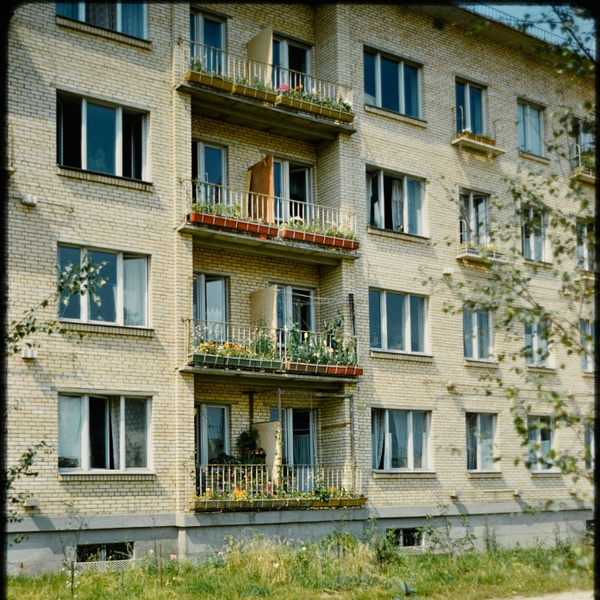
(338, 566)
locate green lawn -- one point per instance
(338, 566)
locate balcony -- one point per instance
(255, 94)
(484, 143)
(476, 247)
(584, 165)
(253, 487)
(263, 224)
(220, 349)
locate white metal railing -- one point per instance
(488, 136)
(584, 159)
(262, 481)
(283, 212)
(477, 243)
(232, 343)
(243, 71)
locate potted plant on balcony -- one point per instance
(482, 138)
(256, 89)
(327, 234)
(247, 445)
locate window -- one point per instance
(293, 191)
(212, 433)
(392, 84)
(295, 307)
(477, 334)
(411, 537)
(397, 321)
(298, 437)
(470, 109)
(589, 441)
(395, 203)
(588, 343)
(537, 335)
(291, 62)
(207, 34)
(584, 146)
(100, 137)
(474, 219)
(586, 242)
(541, 441)
(104, 552)
(534, 233)
(125, 17)
(209, 171)
(400, 439)
(209, 305)
(531, 129)
(103, 432)
(480, 441)
(122, 299)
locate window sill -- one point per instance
(589, 374)
(404, 474)
(107, 476)
(398, 235)
(110, 329)
(383, 112)
(484, 474)
(72, 173)
(550, 473)
(481, 363)
(541, 369)
(105, 33)
(540, 159)
(401, 356)
(544, 264)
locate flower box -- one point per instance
(301, 367)
(214, 81)
(350, 370)
(236, 361)
(261, 229)
(482, 139)
(318, 238)
(256, 93)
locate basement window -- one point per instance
(104, 552)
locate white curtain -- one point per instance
(134, 290)
(115, 429)
(135, 433)
(397, 206)
(378, 437)
(69, 431)
(398, 425)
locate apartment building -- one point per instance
(266, 189)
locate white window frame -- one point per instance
(410, 442)
(484, 447)
(81, 16)
(586, 252)
(587, 327)
(535, 441)
(85, 298)
(406, 324)
(85, 434)
(475, 334)
(466, 117)
(203, 429)
(526, 145)
(475, 232)
(287, 292)
(377, 101)
(539, 344)
(118, 136)
(379, 218)
(529, 235)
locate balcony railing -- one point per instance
(268, 215)
(484, 142)
(231, 345)
(261, 486)
(235, 74)
(584, 163)
(477, 247)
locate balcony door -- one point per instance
(209, 300)
(208, 42)
(292, 191)
(208, 173)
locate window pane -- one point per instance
(417, 324)
(132, 141)
(134, 290)
(213, 33)
(297, 60)
(395, 321)
(535, 131)
(215, 428)
(378, 438)
(136, 431)
(483, 334)
(301, 309)
(99, 431)
(106, 310)
(213, 165)
(69, 432)
(390, 97)
(471, 442)
(68, 9)
(101, 14)
(419, 430)
(486, 439)
(69, 132)
(414, 206)
(461, 117)
(369, 76)
(476, 114)
(522, 125)
(468, 333)
(101, 143)
(528, 345)
(375, 319)
(132, 18)
(411, 91)
(398, 426)
(69, 306)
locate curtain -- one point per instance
(486, 435)
(134, 290)
(397, 206)
(471, 442)
(483, 337)
(398, 431)
(417, 324)
(395, 317)
(136, 426)
(132, 18)
(419, 429)
(377, 438)
(69, 431)
(215, 431)
(413, 189)
(467, 332)
(115, 430)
